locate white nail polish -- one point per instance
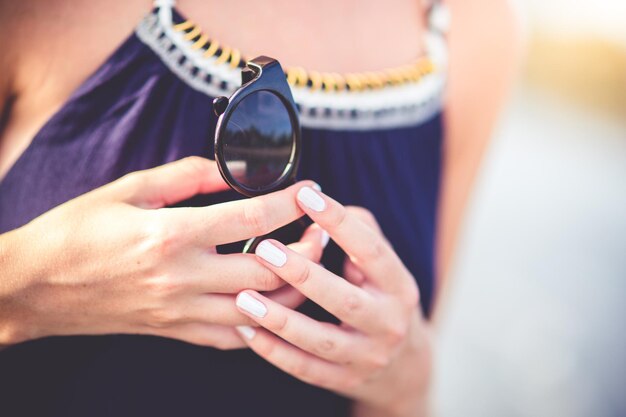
(325, 238)
(250, 304)
(311, 199)
(317, 187)
(246, 331)
(271, 253)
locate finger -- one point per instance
(352, 273)
(173, 182)
(366, 217)
(366, 247)
(311, 246)
(326, 340)
(239, 220)
(296, 362)
(220, 337)
(206, 308)
(229, 274)
(312, 243)
(349, 303)
(287, 296)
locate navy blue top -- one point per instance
(133, 113)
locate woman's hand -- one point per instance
(115, 261)
(380, 354)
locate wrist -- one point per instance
(415, 407)
(410, 396)
(17, 274)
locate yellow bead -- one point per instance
(223, 56)
(183, 25)
(195, 32)
(200, 42)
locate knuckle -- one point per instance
(161, 317)
(134, 182)
(352, 306)
(396, 334)
(162, 287)
(411, 297)
(266, 348)
(363, 214)
(266, 280)
(195, 166)
(279, 324)
(254, 217)
(302, 275)
(375, 250)
(159, 238)
(302, 368)
(195, 163)
(336, 217)
(378, 361)
(326, 346)
(133, 179)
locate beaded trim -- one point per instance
(314, 80)
(392, 98)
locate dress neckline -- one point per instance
(394, 106)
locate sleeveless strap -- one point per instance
(164, 3)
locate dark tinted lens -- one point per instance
(258, 140)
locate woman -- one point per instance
(87, 250)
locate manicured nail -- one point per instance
(271, 253)
(325, 238)
(311, 199)
(246, 331)
(250, 304)
(317, 187)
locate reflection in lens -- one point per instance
(258, 140)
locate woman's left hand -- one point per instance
(380, 354)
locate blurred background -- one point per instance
(535, 322)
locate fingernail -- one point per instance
(317, 187)
(325, 238)
(250, 304)
(246, 331)
(271, 253)
(311, 199)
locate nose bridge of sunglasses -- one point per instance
(248, 74)
(219, 105)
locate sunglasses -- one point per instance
(257, 139)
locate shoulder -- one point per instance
(9, 56)
(57, 43)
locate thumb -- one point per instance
(173, 182)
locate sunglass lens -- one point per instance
(258, 141)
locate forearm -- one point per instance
(16, 272)
(414, 407)
(469, 127)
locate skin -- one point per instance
(36, 78)
(166, 278)
(382, 331)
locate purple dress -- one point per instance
(151, 103)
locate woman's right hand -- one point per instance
(115, 260)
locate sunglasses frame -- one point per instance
(260, 74)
